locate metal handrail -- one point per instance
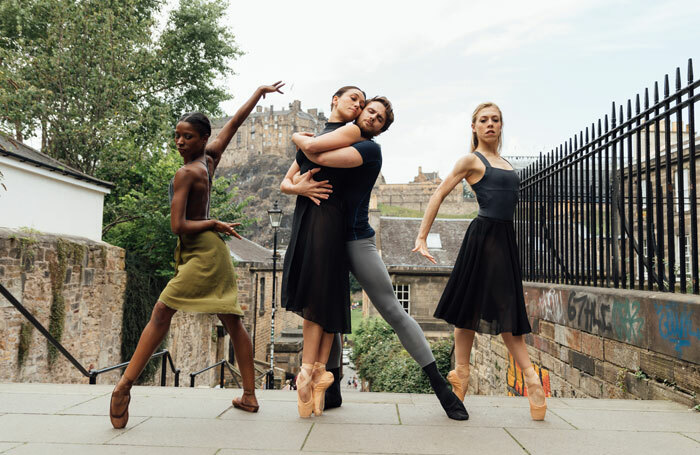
(222, 363)
(92, 374)
(166, 359)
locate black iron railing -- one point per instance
(616, 205)
(224, 365)
(91, 374)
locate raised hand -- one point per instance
(422, 247)
(265, 89)
(226, 228)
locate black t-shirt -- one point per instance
(360, 181)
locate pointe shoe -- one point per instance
(239, 404)
(304, 380)
(319, 391)
(120, 419)
(459, 378)
(532, 382)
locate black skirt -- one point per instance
(485, 290)
(315, 282)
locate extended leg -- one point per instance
(151, 337)
(370, 271)
(244, 357)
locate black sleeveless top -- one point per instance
(497, 191)
(171, 189)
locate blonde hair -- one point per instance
(475, 139)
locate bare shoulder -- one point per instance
(467, 162)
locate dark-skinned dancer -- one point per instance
(351, 147)
(204, 280)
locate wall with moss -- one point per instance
(75, 288)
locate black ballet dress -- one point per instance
(485, 290)
(315, 281)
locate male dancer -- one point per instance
(364, 161)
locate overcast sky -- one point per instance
(552, 66)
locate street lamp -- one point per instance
(275, 220)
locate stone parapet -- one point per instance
(602, 343)
(76, 281)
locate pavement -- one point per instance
(73, 419)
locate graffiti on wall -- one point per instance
(676, 325)
(627, 321)
(516, 383)
(552, 307)
(588, 314)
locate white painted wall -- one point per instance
(49, 202)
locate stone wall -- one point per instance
(85, 279)
(602, 343)
(255, 298)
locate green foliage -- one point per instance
(393, 210)
(354, 284)
(57, 311)
(381, 360)
(142, 291)
(25, 339)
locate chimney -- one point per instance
(313, 112)
(258, 109)
(420, 170)
(295, 105)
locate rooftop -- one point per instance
(73, 419)
(398, 234)
(244, 250)
(22, 152)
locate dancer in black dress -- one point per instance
(485, 291)
(315, 282)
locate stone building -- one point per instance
(254, 280)
(268, 132)
(417, 282)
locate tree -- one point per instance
(104, 86)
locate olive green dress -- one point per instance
(204, 280)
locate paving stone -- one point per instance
(56, 389)
(158, 406)
(587, 442)
(348, 413)
(86, 449)
(624, 405)
(58, 428)
(216, 433)
(406, 439)
(479, 416)
(8, 445)
(40, 403)
(598, 419)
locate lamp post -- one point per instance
(275, 220)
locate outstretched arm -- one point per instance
(341, 137)
(305, 185)
(460, 171)
(216, 147)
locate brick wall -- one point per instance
(602, 343)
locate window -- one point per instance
(403, 294)
(238, 139)
(434, 242)
(686, 190)
(686, 253)
(261, 303)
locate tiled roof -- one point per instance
(22, 152)
(399, 234)
(244, 250)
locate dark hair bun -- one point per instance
(199, 121)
